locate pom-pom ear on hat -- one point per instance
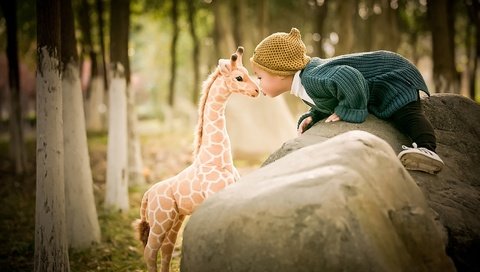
(281, 53)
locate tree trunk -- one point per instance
(385, 24)
(320, 14)
(102, 43)
(94, 102)
(223, 34)
(346, 36)
(473, 8)
(173, 54)
(51, 250)
(116, 191)
(135, 161)
(196, 50)
(86, 41)
(263, 18)
(242, 26)
(367, 27)
(119, 35)
(80, 211)
(17, 142)
(476, 60)
(238, 15)
(445, 77)
(96, 105)
(134, 152)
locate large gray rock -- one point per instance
(455, 192)
(346, 204)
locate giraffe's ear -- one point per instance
(224, 66)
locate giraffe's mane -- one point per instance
(207, 84)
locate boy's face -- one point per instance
(272, 85)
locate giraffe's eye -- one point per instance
(239, 78)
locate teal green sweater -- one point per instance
(352, 85)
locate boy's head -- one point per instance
(281, 53)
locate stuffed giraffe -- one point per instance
(165, 205)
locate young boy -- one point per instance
(347, 88)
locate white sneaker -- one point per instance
(420, 159)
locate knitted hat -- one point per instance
(281, 53)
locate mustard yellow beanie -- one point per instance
(281, 53)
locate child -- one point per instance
(347, 88)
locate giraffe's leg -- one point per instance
(169, 243)
(161, 223)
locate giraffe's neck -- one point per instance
(215, 148)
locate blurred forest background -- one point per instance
(173, 45)
(164, 50)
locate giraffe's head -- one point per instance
(236, 76)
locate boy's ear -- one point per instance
(224, 66)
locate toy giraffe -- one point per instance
(165, 205)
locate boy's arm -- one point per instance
(350, 88)
(316, 116)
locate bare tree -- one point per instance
(173, 53)
(51, 251)
(135, 161)
(320, 14)
(134, 152)
(99, 5)
(262, 16)
(473, 8)
(243, 26)
(80, 210)
(196, 49)
(17, 142)
(445, 76)
(223, 34)
(345, 27)
(384, 23)
(116, 191)
(95, 104)
(87, 51)
(238, 16)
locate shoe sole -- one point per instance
(419, 162)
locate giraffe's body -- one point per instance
(165, 205)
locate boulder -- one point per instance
(454, 193)
(345, 204)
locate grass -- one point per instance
(166, 155)
(17, 213)
(118, 250)
(17, 206)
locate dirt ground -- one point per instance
(164, 155)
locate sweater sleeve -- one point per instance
(350, 88)
(316, 116)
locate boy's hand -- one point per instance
(304, 124)
(333, 118)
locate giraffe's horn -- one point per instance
(240, 50)
(233, 61)
(240, 54)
